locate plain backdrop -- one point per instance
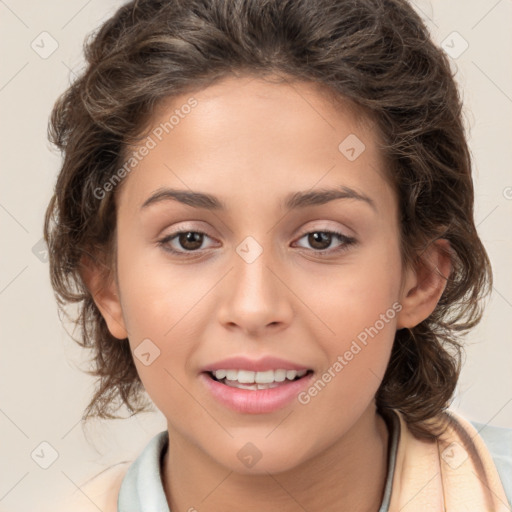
(43, 392)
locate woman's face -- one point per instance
(259, 275)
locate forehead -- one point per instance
(254, 104)
(258, 136)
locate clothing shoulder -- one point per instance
(98, 493)
(499, 443)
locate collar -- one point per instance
(454, 472)
(142, 488)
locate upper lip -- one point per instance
(255, 365)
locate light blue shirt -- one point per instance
(142, 489)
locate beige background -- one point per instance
(43, 393)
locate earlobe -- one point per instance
(104, 292)
(424, 284)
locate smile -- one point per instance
(245, 379)
(255, 392)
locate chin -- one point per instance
(263, 468)
(249, 460)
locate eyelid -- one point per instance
(196, 226)
(336, 233)
(324, 225)
(166, 239)
(325, 228)
(345, 242)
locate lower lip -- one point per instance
(256, 401)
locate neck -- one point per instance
(348, 475)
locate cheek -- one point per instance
(359, 305)
(158, 309)
(357, 293)
(357, 358)
(157, 296)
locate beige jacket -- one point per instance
(455, 473)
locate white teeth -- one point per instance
(253, 387)
(291, 374)
(245, 377)
(280, 375)
(249, 377)
(231, 374)
(264, 377)
(220, 374)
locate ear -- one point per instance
(424, 284)
(105, 294)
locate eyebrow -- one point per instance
(292, 201)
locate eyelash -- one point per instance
(346, 242)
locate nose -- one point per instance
(257, 299)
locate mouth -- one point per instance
(256, 392)
(254, 381)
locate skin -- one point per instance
(250, 143)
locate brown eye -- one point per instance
(320, 242)
(320, 239)
(190, 240)
(183, 242)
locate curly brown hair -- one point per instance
(377, 54)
